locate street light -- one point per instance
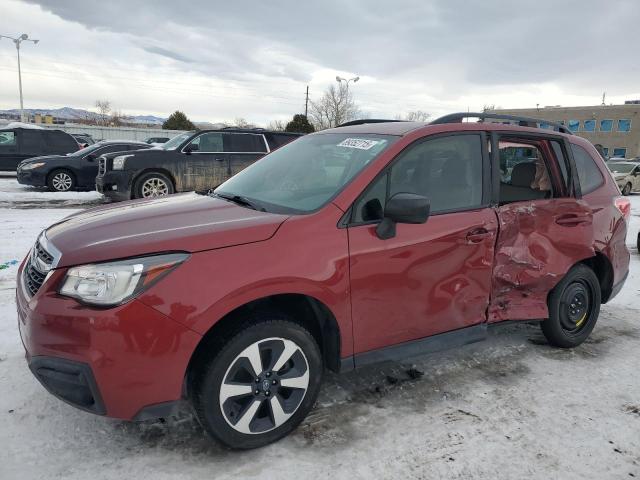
(22, 38)
(340, 79)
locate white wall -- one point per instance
(115, 133)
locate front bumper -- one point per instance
(33, 177)
(123, 362)
(115, 185)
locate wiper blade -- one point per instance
(240, 200)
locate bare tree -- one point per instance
(276, 125)
(116, 118)
(489, 108)
(414, 116)
(104, 108)
(336, 106)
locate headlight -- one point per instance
(118, 162)
(114, 283)
(31, 166)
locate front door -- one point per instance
(429, 278)
(205, 163)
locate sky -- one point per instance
(218, 61)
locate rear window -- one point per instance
(589, 174)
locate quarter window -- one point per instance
(606, 125)
(446, 170)
(624, 125)
(589, 174)
(589, 125)
(574, 125)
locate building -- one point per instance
(615, 127)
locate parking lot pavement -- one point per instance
(510, 407)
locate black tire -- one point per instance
(61, 180)
(229, 362)
(146, 181)
(626, 190)
(574, 306)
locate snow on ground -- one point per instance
(510, 407)
(14, 195)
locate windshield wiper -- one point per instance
(240, 200)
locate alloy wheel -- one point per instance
(264, 386)
(61, 181)
(154, 187)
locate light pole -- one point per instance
(346, 81)
(22, 38)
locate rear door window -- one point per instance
(244, 143)
(589, 174)
(524, 171)
(276, 140)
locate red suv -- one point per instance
(364, 243)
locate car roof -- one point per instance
(107, 142)
(624, 162)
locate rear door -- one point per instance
(244, 149)
(544, 226)
(429, 278)
(9, 150)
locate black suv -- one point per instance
(17, 144)
(197, 160)
(74, 171)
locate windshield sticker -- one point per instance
(359, 143)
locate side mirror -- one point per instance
(403, 208)
(193, 147)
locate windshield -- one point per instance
(620, 167)
(305, 174)
(176, 141)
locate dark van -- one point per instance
(17, 144)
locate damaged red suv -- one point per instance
(369, 242)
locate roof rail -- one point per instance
(522, 121)
(367, 120)
(254, 129)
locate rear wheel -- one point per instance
(574, 306)
(153, 184)
(627, 189)
(260, 384)
(61, 181)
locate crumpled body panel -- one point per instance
(537, 243)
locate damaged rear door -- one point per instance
(544, 226)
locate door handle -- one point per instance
(477, 235)
(573, 220)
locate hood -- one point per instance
(187, 222)
(41, 159)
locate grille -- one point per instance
(102, 165)
(33, 275)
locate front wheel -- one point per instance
(153, 184)
(626, 190)
(260, 385)
(574, 306)
(61, 181)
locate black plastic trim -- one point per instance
(159, 410)
(423, 346)
(71, 377)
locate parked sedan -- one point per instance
(626, 175)
(74, 171)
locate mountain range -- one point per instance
(68, 113)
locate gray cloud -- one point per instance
(418, 53)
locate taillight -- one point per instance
(624, 205)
